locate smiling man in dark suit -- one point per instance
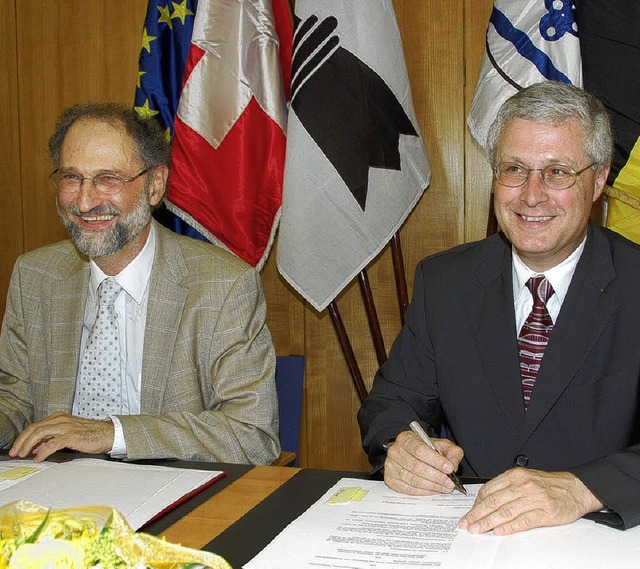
(542, 396)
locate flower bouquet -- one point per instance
(93, 537)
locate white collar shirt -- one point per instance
(559, 276)
(131, 315)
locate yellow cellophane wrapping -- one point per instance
(32, 536)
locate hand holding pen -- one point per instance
(424, 437)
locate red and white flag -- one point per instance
(229, 139)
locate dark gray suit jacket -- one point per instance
(455, 363)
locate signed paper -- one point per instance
(362, 524)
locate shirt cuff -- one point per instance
(119, 448)
(388, 442)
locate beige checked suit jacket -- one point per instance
(208, 388)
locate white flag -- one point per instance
(355, 163)
(528, 41)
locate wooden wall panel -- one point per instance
(11, 244)
(477, 170)
(61, 52)
(69, 51)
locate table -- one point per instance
(185, 509)
(208, 520)
(240, 520)
(240, 514)
(237, 522)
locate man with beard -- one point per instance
(129, 339)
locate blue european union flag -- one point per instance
(166, 39)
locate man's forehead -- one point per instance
(565, 124)
(541, 137)
(90, 125)
(94, 137)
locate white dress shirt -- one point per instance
(559, 276)
(131, 317)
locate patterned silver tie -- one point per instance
(99, 386)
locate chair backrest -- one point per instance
(289, 383)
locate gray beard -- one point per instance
(113, 240)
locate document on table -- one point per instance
(139, 492)
(362, 524)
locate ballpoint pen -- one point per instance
(423, 436)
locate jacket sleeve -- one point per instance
(16, 409)
(615, 481)
(221, 402)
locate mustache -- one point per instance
(98, 210)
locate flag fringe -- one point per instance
(184, 216)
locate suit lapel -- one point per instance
(166, 303)
(490, 311)
(68, 297)
(585, 313)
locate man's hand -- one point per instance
(522, 499)
(63, 431)
(412, 467)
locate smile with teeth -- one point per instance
(539, 218)
(105, 217)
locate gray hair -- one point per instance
(553, 102)
(149, 141)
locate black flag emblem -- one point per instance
(345, 106)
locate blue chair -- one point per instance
(289, 384)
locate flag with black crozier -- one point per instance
(610, 46)
(216, 73)
(356, 164)
(527, 41)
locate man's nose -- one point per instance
(534, 190)
(87, 195)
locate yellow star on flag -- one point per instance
(140, 74)
(144, 111)
(146, 40)
(165, 17)
(181, 11)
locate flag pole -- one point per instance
(398, 270)
(372, 316)
(347, 350)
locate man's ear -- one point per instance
(158, 184)
(601, 179)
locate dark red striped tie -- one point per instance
(534, 335)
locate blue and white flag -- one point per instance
(528, 41)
